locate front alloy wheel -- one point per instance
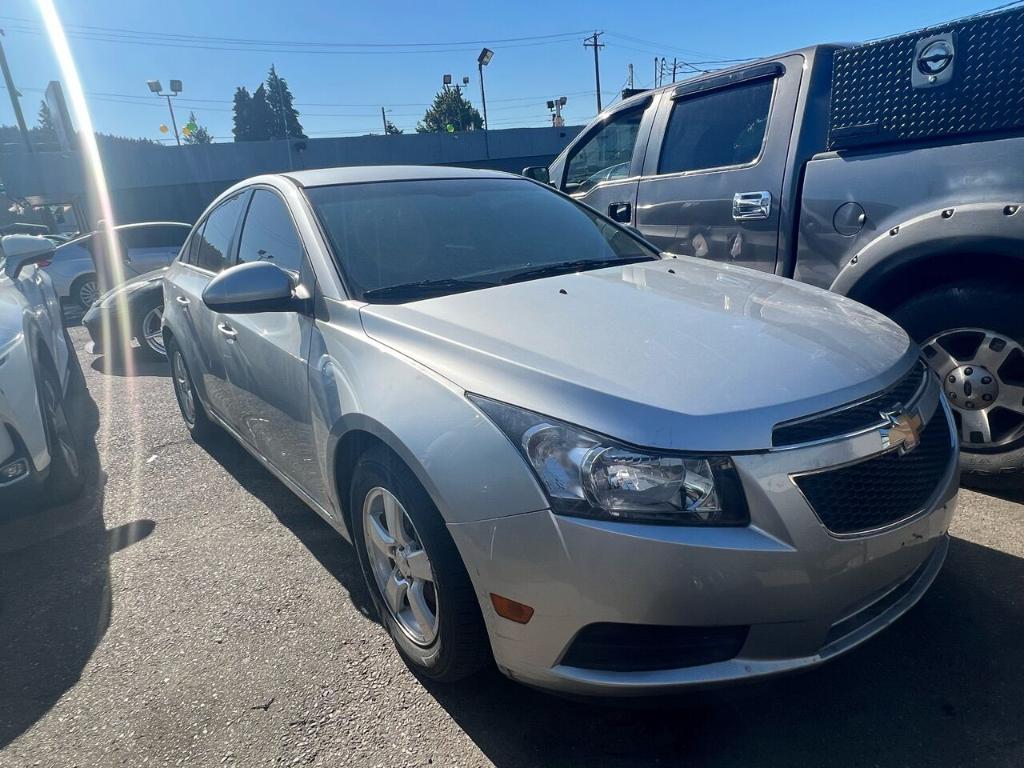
(400, 566)
(152, 332)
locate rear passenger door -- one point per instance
(713, 174)
(602, 168)
(210, 251)
(266, 353)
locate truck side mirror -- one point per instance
(21, 250)
(537, 173)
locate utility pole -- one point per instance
(631, 77)
(592, 42)
(674, 65)
(384, 121)
(13, 93)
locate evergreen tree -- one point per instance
(284, 117)
(199, 134)
(46, 119)
(390, 129)
(450, 108)
(261, 117)
(242, 128)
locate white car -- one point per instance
(38, 452)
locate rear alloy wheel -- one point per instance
(192, 412)
(85, 291)
(972, 336)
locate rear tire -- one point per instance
(84, 291)
(965, 330)
(456, 644)
(192, 411)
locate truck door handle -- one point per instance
(227, 331)
(751, 205)
(182, 300)
(621, 212)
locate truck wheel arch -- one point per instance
(888, 270)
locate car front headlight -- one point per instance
(589, 475)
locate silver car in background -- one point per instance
(143, 247)
(612, 472)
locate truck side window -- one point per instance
(606, 154)
(720, 129)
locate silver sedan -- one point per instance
(611, 471)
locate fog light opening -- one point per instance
(511, 610)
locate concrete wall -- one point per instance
(148, 182)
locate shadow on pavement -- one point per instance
(55, 587)
(325, 544)
(940, 687)
(130, 366)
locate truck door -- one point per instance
(713, 173)
(602, 167)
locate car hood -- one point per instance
(136, 283)
(679, 354)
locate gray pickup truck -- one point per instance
(891, 172)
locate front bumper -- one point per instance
(805, 593)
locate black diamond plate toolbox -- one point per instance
(961, 78)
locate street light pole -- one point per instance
(482, 61)
(156, 88)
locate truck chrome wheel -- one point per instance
(400, 566)
(982, 374)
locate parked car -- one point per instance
(143, 247)
(38, 453)
(791, 165)
(129, 317)
(616, 472)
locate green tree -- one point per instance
(450, 108)
(242, 121)
(46, 119)
(261, 118)
(390, 129)
(284, 123)
(199, 134)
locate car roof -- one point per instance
(359, 174)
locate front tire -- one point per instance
(148, 332)
(972, 336)
(65, 479)
(413, 571)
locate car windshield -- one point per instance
(402, 240)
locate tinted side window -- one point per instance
(269, 235)
(152, 237)
(606, 154)
(719, 129)
(216, 239)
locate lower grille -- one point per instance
(884, 489)
(644, 647)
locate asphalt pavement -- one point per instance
(189, 610)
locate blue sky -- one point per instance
(339, 90)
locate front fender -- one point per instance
(995, 229)
(466, 465)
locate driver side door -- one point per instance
(602, 169)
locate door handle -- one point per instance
(751, 205)
(227, 331)
(620, 212)
(182, 300)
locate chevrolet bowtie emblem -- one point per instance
(902, 430)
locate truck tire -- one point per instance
(972, 336)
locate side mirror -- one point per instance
(258, 286)
(21, 250)
(537, 173)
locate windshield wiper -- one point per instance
(425, 288)
(565, 267)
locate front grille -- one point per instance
(852, 418)
(645, 647)
(884, 489)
